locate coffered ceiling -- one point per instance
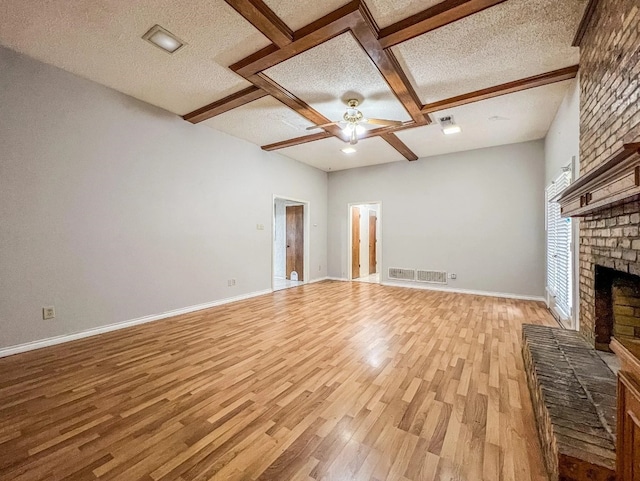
(267, 70)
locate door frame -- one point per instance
(306, 221)
(378, 236)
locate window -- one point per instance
(559, 270)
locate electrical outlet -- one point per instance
(319, 268)
(48, 312)
(260, 226)
(453, 276)
(231, 282)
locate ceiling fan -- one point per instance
(353, 118)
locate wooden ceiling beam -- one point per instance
(302, 108)
(503, 89)
(364, 32)
(264, 19)
(223, 105)
(318, 32)
(323, 135)
(400, 146)
(389, 130)
(435, 17)
(297, 141)
(589, 10)
(385, 132)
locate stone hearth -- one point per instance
(574, 397)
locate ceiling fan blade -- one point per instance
(394, 123)
(323, 125)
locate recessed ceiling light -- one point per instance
(163, 39)
(449, 127)
(349, 150)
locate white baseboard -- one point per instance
(52, 341)
(313, 281)
(505, 295)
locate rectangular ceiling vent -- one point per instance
(434, 277)
(402, 274)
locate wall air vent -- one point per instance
(434, 277)
(402, 274)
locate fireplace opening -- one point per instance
(617, 296)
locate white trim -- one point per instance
(306, 219)
(320, 279)
(341, 279)
(52, 341)
(506, 295)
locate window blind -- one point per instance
(559, 279)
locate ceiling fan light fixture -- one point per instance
(163, 39)
(449, 127)
(354, 137)
(353, 130)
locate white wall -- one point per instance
(478, 214)
(563, 139)
(111, 209)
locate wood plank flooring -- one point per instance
(329, 381)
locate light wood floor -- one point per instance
(330, 381)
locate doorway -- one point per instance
(290, 242)
(364, 242)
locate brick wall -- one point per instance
(609, 108)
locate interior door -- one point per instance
(355, 242)
(372, 241)
(295, 240)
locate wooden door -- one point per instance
(372, 241)
(295, 240)
(355, 242)
(628, 436)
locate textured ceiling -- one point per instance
(101, 41)
(329, 74)
(510, 41)
(517, 117)
(263, 121)
(326, 154)
(387, 12)
(300, 13)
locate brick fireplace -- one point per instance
(587, 421)
(609, 244)
(609, 110)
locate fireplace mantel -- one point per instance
(617, 179)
